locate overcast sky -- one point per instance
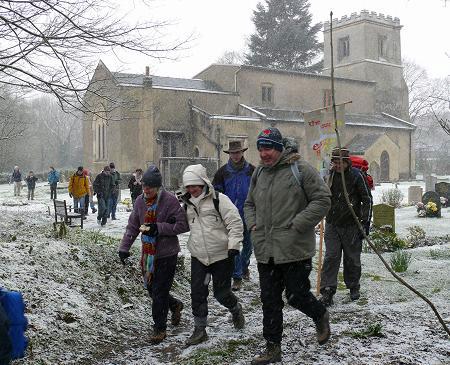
(223, 25)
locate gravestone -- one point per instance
(414, 194)
(443, 189)
(432, 196)
(430, 182)
(384, 215)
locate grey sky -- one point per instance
(223, 25)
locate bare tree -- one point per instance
(52, 45)
(232, 58)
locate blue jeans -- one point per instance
(112, 206)
(80, 202)
(242, 261)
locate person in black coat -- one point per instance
(342, 235)
(135, 185)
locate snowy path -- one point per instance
(77, 294)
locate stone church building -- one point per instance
(138, 119)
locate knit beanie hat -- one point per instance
(152, 177)
(191, 178)
(270, 138)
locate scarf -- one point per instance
(148, 243)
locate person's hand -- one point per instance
(70, 194)
(232, 253)
(123, 256)
(149, 229)
(253, 228)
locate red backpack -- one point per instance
(363, 165)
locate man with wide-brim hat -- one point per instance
(235, 147)
(233, 179)
(342, 236)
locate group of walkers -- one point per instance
(273, 208)
(31, 179)
(106, 186)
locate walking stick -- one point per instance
(319, 264)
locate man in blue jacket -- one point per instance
(233, 179)
(53, 179)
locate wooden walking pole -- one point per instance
(319, 264)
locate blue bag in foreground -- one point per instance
(14, 307)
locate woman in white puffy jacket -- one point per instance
(215, 239)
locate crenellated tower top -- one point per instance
(363, 15)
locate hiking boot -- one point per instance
(114, 218)
(104, 220)
(246, 275)
(238, 318)
(236, 284)
(197, 337)
(94, 210)
(271, 354)
(323, 328)
(176, 314)
(354, 293)
(157, 336)
(327, 297)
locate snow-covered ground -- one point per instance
(84, 307)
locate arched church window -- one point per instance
(99, 137)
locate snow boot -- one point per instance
(327, 297)
(354, 293)
(323, 328)
(198, 336)
(237, 283)
(157, 336)
(238, 318)
(271, 354)
(176, 314)
(104, 220)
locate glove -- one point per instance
(70, 194)
(123, 256)
(150, 229)
(171, 220)
(232, 253)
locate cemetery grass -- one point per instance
(84, 307)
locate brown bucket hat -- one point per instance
(235, 146)
(344, 151)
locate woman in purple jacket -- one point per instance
(160, 217)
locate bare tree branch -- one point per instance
(52, 46)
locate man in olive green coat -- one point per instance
(286, 200)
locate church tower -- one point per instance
(367, 47)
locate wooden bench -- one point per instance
(66, 215)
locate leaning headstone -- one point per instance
(443, 189)
(414, 194)
(430, 181)
(432, 196)
(384, 215)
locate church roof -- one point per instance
(382, 120)
(166, 82)
(360, 143)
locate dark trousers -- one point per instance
(159, 291)
(102, 208)
(340, 240)
(294, 277)
(53, 191)
(86, 204)
(112, 206)
(220, 272)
